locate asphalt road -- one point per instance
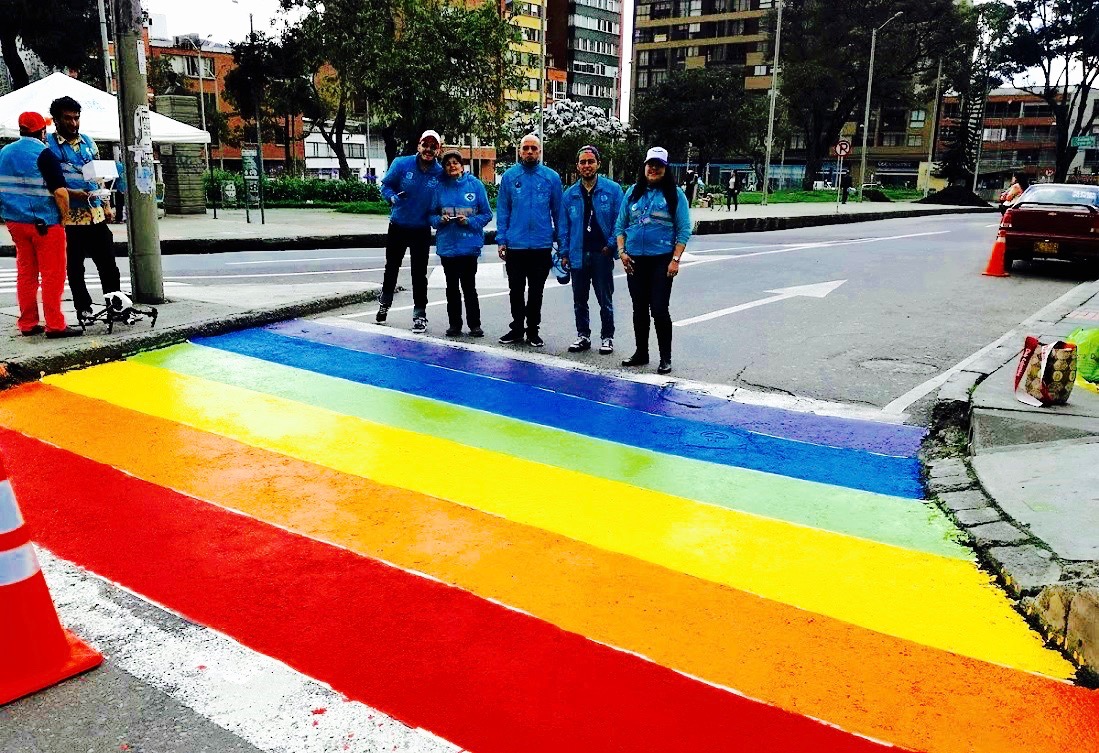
(909, 302)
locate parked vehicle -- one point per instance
(1053, 221)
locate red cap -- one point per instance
(32, 122)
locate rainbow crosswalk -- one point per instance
(523, 557)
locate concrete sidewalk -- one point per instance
(1027, 490)
(327, 228)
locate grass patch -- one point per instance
(364, 207)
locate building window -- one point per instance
(532, 84)
(642, 79)
(892, 139)
(355, 151)
(915, 139)
(917, 118)
(531, 35)
(761, 70)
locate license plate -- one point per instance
(1045, 247)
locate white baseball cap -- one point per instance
(432, 134)
(658, 153)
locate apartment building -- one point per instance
(674, 35)
(586, 35)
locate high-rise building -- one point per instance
(674, 35)
(585, 36)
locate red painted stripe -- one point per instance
(487, 678)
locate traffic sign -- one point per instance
(1087, 142)
(843, 147)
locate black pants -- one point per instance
(731, 198)
(93, 241)
(650, 291)
(527, 268)
(417, 241)
(461, 280)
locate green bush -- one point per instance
(365, 207)
(288, 191)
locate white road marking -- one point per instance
(818, 290)
(253, 696)
(782, 401)
(490, 276)
(922, 390)
(689, 261)
(315, 258)
(275, 274)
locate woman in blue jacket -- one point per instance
(654, 225)
(459, 213)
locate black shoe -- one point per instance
(67, 332)
(454, 332)
(383, 313)
(35, 330)
(476, 332)
(665, 366)
(582, 343)
(511, 338)
(535, 341)
(637, 359)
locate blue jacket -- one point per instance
(73, 161)
(464, 195)
(649, 228)
(527, 207)
(606, 199)
(24, 196)
(410, 210)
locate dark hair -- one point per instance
(1022, 180)
(63, 104)
(589, 148)
(666, 185)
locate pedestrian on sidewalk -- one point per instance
(459, 213)
(527, 210)
(846, 183)
(34, 203)
(408, 186)
(87, 230)
(654, 225)
(589, 209)
(732, 192)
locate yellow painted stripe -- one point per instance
(937, 601)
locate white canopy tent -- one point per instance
(98, 113)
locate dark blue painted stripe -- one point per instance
(882, 438)
(694, 439)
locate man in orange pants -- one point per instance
(33, 201)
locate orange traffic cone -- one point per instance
(995, 266)
(35, 651)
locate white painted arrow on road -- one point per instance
(817, 290)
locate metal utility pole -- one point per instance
(771, 117)
(934, 128)
(256, 91)
(542, 77)
(146, 273)
(866, 113)
(202, 107)
(106, 53)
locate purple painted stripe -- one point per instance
(886, 439)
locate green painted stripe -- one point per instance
(889, 520)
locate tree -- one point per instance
(826, 53)
(163, 79)
(570, 125)
(1059, 40)
(706, 107)
(67, 44)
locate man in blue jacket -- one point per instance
(589, 209)
(527, 209)
(408, 186)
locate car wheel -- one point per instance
(1009, 259)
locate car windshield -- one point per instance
(1061, 195)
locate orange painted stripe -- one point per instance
(883, 687)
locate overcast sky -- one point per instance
(226, 20)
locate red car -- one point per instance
(1052, 221)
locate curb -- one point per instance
(176, 246)
(1058, 597)
(32, 368)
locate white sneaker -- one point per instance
(607, 346)
(582, 343)
(419, 325)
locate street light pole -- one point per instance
(934, 128)
(259, 130)
(542, 78)
(866, 112)
(104, 43)
(202, 110)
(774, 98)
